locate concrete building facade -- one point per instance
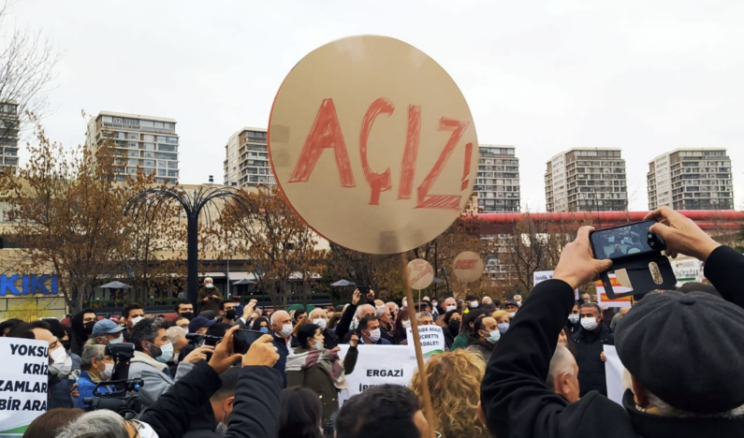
(497, 182)
(691, 179)
(247, 159)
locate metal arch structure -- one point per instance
(151, 201)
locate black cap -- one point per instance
(687, 349)
(695, 286)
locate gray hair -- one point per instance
(394, 305)
(174, 333)
(670, 411)
(484, 299)
(420, 315)
(89, 352)
(562, 362)
(274, 316)
(361, 309)
(594, 306)
(96, 423)
(380, 310)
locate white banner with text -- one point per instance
(23, 384)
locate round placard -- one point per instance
(420, 274)
(468, 266)
(373, 144)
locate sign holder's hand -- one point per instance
(681, 234)
(224, 356)
(371, 296)
(262, 353)
(577, 265)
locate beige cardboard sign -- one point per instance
(420, 274)
(468, 266)
(373, 144)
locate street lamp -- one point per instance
(151, 200)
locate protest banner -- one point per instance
(378, 365)
(468, 266)
(23, 384)
(604, 301)
(688, 270)
(432, 340)
(420, 274)
(614, 375)
(373, 144)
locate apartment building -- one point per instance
(497, 180)
(247, 159)
(9, 135)
(586, 179)
(691, 179)
(139, 142)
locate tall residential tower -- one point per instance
(586, 179)
(147, 143)
(497, 182)
(247, 160)
(691, 179)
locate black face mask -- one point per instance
(188, 315)
(65, 344)
(454, 327)
(89, 327)
(230, 314)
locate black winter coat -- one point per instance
(587, 349)
(518, 404)
(281, 364)
(255, 414)
(256, 410)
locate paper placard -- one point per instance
(23, 383)
(378, 365)
(604, 301)
(468, 266)
(420, 274)
(614, 374)
(373, 144)
(432, 340)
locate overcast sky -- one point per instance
(545, 76)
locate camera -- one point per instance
(120, 393)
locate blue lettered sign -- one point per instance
(30, 284)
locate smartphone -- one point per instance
(243, 339)
(363, 289)
(625, 241)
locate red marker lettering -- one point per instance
(325, 133)
(410, 153)
(466, 171)
(448, 202)
(465, 264)
(379, 182)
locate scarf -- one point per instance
(327, 360)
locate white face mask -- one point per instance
(511, 314)
(320, 322)
(374, 335)
(406, 324)
(574, 318)
(405, 303)
(286, 331)
(209, 285)
(107, 372)
(589, 323)
(61, 362)
(435, 304)
(118, 340)
(451, 308)
(473, 304)
(136, 319)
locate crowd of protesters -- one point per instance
(510, 370)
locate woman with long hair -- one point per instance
(312, 366)
(301, 415)
(454, 379)
(452, 322)
(466, 328)
(402, 324)
(261, 325)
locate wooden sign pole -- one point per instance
(428, 408)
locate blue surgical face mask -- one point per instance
(166, 353)
(503, 327)
(317, 345)
(264, 330)
(494, 337)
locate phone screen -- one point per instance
(243, 339)
(627, 240)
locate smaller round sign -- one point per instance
(468, 266)
(420, 274)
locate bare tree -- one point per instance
(27, 64)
